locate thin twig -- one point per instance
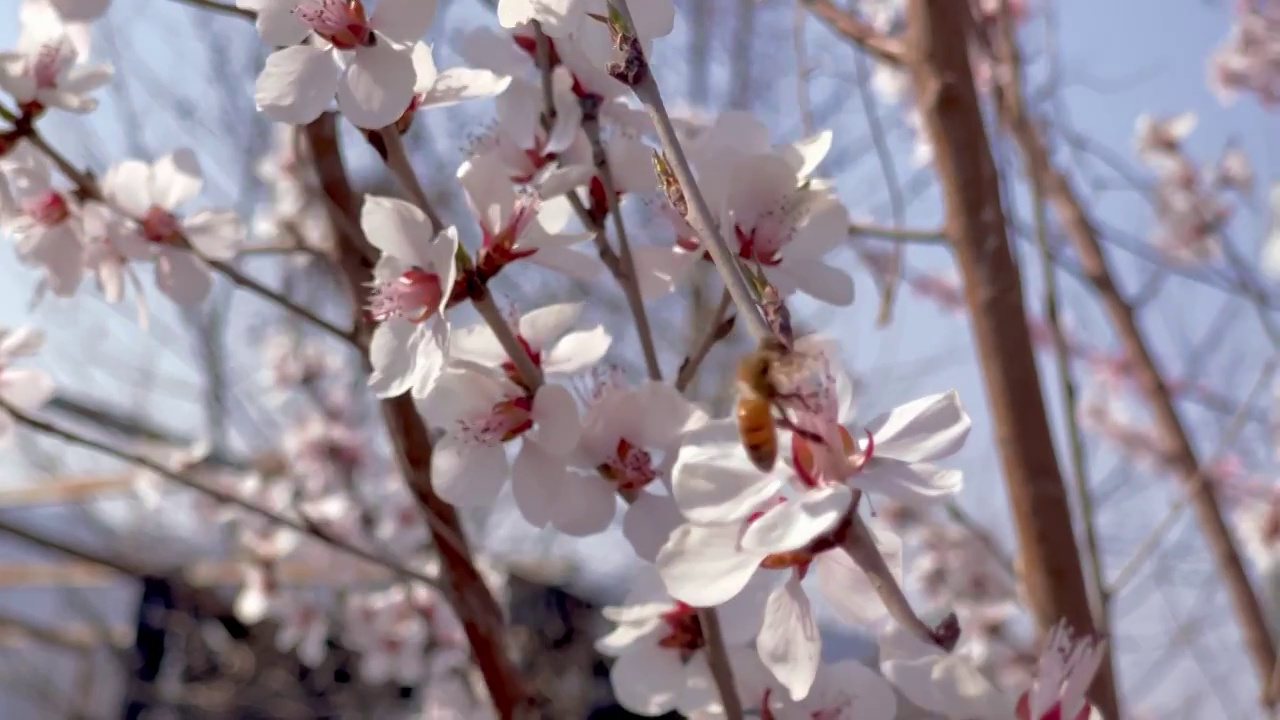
(222, 7)
(715, 332)
(885, 48)
(221, 496)
(397, 161)
(700, 217)
(924, 236)
(861, 546)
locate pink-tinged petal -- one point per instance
(297, 84)
(824, 229)
(60, 252)
(80, 11)
(924, 430)
(850, 684)
(740, 130)
(456, 85)
(570, 263)
(537, 483)
(647, 679)
(377, 86)
(487, 186)
(278, 25)
(577, 351)
(648, 522)
(477, 344)
(175, 179)
(807, 154)
(216, 234)
(713, 481)
(631, 165)
(15, 80)
(518, 111)
(586, 506)
(847, 588)
(559, 18)
(424, 68)
(789, 643)
(21, 342)
(468, 474)
(542, 327)
(127, 186)
(663, 413)
(819, 281)
(183, 277)
(557, 181)
(760, 185)
(741, 615)
(908, 482)
(25, 388)
(83, 79)
(396, 227)
(404, 21)
(391, 352)
(568, 123)
(661, 269)
(796, 522)
(702, 565)
(555, 417)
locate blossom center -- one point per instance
(684, 631)
(631, 467)
(47, 66)
(505, 421)
(816, 461)
(509, 366)
(160, 226)
(754, 245)
(800, 558)
(48, 208)
(341, 23)
(415, 294)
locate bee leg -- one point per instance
(811, 436)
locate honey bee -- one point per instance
(758, 394)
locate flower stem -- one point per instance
(861, 546)
(700, 217)
(717, 330)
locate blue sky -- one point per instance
(1119, 59)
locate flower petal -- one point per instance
(586, 506)
(392, 352)
(570, 263)
(702, 565)
(793, 524)
(555, 417)
(647, 679)
(923, 430)
(127, 186)
(396, 227)
(577, 351)
(216, 234)
(542, 327)
(908, 482)
(175, 179)
(183, 277)
(20, 342)
(537, 483)
(847, 589)
(468, 474)
(805, 155)
(477, 344)
(296, 84)
(789, 643)
(648, 522)
(278, 25)
(377, 86)
(713, 481)
(818, 280)
(25, 388)
(456, 85)
(404, 21)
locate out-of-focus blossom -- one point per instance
(949, 684)
(45, 71)
(45, 221)
(1066, 670)
(22, 389)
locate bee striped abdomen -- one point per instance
(758, 433)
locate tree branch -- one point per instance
(885, 48)
(943, 82)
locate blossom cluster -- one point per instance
(527, 401)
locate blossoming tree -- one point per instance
(414, 383)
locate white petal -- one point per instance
(175, 178)
(850, 684)
(542, 327)
(699, 698)
(479, 345)
(577, 351)
(558, 17)
(789, 643)
(713, 481)
(819, 281)
(570, 263)
(847, 589)
(404, 21)
(424, 68)
(487, 186)
(296, 84)
(183, 277)
(795, 523)
(664, 413)
(278, 25)
(587, 506)
(127, 186)
(84, 79)
(392, 352)
(702, 565)
(215, 234)
(432, 355)
(456, 85)
(25, 388)
(468, 474)
(825, 228)
(661, 269)
(396, 227)
(537, 483)
(923, 430)
(648, 523)
(908, 482)
(647, 679)
(555, 417)
(20, 342)
(377, 87)
(805, 155)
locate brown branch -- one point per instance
(885, 48)
(1083, 236)
(943, 82)
(480, 614)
